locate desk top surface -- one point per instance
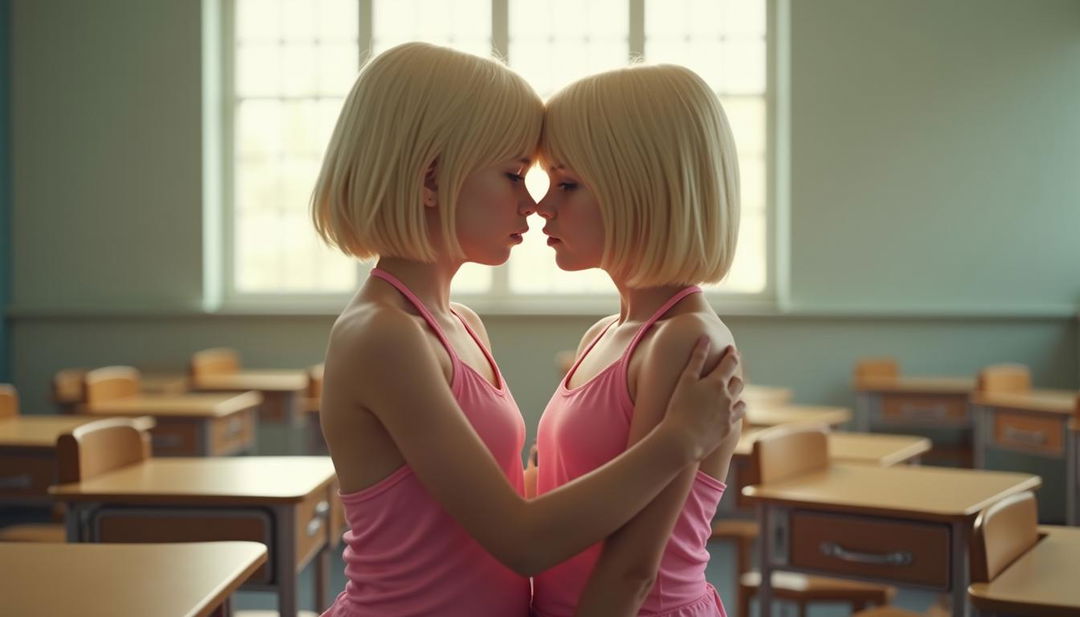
(222, 480)
(931, 493)
(866, 448)
(771, 415)
(918, 385)
(268, 380)
(38, 431)
(1043, 579)
(1062, 402)
(103, 580)
(191, 405)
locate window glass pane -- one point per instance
(295, 61)
(461, 24)
(554, 43)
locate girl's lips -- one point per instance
(553, 241)
(516, 238)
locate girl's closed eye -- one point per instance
(567, 186)
(515, 177)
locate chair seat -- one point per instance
(34, 532)
(801, 587)
(734, 529)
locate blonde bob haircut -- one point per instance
(411, 106)
(653, 144)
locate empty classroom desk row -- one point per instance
(114, 491)
(993, 421)
(904, 525)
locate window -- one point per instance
(293, 62)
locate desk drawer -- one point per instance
(26, 476)
(233, 433)
(312, 524)
(175, 438)
(924, 409)
(118, 524)
(1029, 433)
(900, 551)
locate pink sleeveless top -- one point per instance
(404, 554)
(583, 428)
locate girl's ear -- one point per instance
(431, 188)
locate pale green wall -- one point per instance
(935, 147)
(933, 155)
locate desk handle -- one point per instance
(1035, 438)
(898, 558)
(321, 510)
(22, 480)
(935, 411)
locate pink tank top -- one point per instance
(581, 429)
(404, 554)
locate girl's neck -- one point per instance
(638, 304)
(429, 281)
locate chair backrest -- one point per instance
(67, 388)
(109, 383)
(102, 446)
(215, 361)
(1004, 378)
(9, 401)
(876, 370)
(1003, 531)
(315, 379)
(785, 451)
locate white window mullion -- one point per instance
(637, 29)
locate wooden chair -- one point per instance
(876, 370)
(1004, 378)
(9, 401)
(109, 383)
(1003, 532)
(67, 389)
(93, 448)
(215, 361)
(778, 454)
(102, 446)
(25, 532)
(312, 400)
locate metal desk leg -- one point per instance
(285, 573)
(765, 549)
(959, 576)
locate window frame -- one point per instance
(220, 262)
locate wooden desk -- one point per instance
(772, 415)
(1040, 583)
(754, 394)
(904, 525)
(282, 391)
(163, 383)
(191, 424)
(283, 502)
(104, 580)
(934, 407)
(862, 448)
(28, 455)
(1034, 425)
